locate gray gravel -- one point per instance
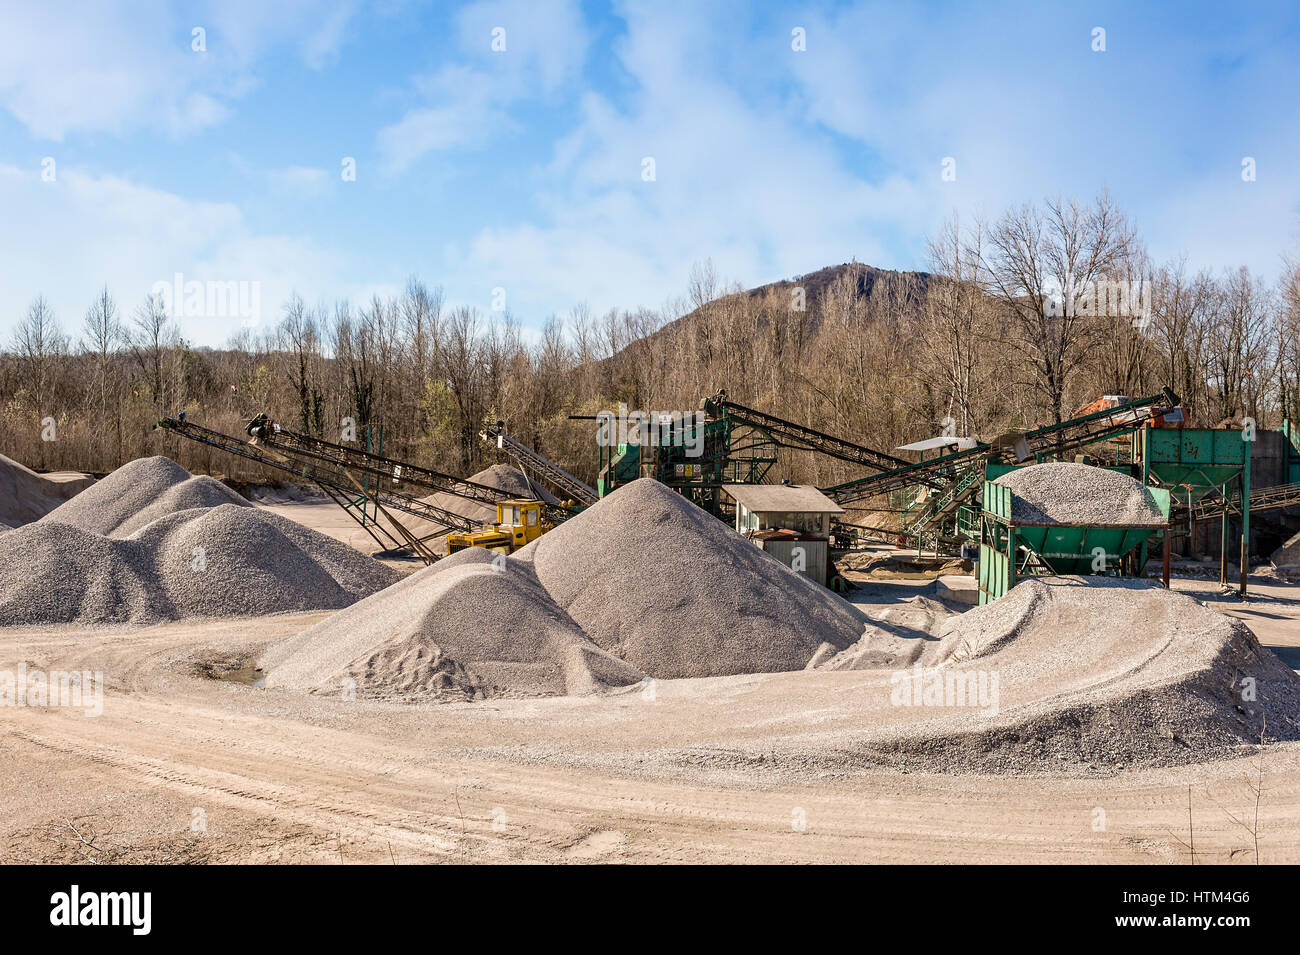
(658, 582)
(463, 628)
(208, 561)
(896, 636)
(1064, 493)
(503, 477)
(139, 492)
(1095, 672)
(26, 496)
(642, 583)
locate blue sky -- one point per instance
(522, 169)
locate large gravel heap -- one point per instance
(26, 496)
(467, 627)
(223, 560)
(655, 580)
(1096, 672)
(643, 583)
(1063, 493)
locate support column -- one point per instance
(1168, 543)
(1223, 541)
(1245, 521)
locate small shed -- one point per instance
(791, 522)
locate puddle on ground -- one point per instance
(242, 670)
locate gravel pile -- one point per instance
(643, 583)
(1064, 493)
(467, 627)
(26, 496)
(241, 561)
(57, 573)
(896, 636)
(138, 493)
(656, 581)
(1103, 673)
(1287, 557)
(503, 477)
(144, 559)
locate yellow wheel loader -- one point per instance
(518, 522)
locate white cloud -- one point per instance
(468, 103)
(90, 66)
(96, 229)
(751, 186)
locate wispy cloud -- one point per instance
(510, 51)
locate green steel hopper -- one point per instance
(1011, 550)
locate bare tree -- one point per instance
(39, 343)
(1044, 265)
(151, 336)
(960, 316)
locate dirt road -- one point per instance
(184, 767)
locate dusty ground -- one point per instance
(190, 761)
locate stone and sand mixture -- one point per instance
(1067, 493)
(643, 586)
(151, 542)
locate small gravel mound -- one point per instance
(26, 496)
(57, 573)
(230, 561)
(468, 627)
(1065, 493)
(226, 560)
(1100, 672)
(193, 492)
(675, 592)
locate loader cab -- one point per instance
(520, 513)
(521, 519)
(519, 522)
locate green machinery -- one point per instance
(694, 455)
(724, 443)
(945, 512)
(1010, 550)
(1196, 465)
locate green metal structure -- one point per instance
(670, 456)
(1194, 463)
(1011, 550)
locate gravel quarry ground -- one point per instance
(734, 768)
(286, 777)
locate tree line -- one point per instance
(1017, 321)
